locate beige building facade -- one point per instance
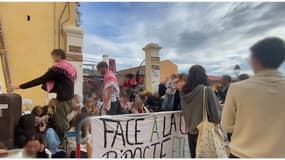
(30, 31)
(167, 68)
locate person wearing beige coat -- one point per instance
(254, 108)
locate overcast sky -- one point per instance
(215, 35)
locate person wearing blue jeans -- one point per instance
(52, 143)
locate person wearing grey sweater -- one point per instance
(192, 104)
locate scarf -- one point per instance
(68, 70)
(110, 80)
(127, 105)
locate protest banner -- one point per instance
(153, 135)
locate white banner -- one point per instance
(154, 135)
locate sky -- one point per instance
(215, 35)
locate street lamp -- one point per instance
(237, 70)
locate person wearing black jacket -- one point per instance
(179, 83)
(226, 81)
(161, 89)
(59, 79)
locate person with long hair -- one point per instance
(90, 107)
(180, 82)
(192, 103)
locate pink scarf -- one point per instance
(111, 80)
(70, 72)
(127, 106)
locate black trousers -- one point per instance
(115, 108)
(60, 154)
(192, 140)
(82, 154)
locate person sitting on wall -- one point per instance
(85, 139)
(39, 117)
(90, 107)
(151, 101)
(74, 109)
(51, 140)
(138, 105)
(78, 101)
(59, 78)
(126, 105)
(50, 110)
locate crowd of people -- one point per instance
(246, 109)
(250, 111)
(43, 132)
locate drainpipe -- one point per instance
(60, 23)
(4, 60)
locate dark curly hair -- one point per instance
(270, 52)
(196, 76)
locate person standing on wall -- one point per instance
(254, 108)
(60, 78)
(192, 103)
(111, 91)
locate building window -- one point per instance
(28, 17)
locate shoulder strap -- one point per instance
(205, 117)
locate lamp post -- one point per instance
(237, 70)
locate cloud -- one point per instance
(215, 35)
